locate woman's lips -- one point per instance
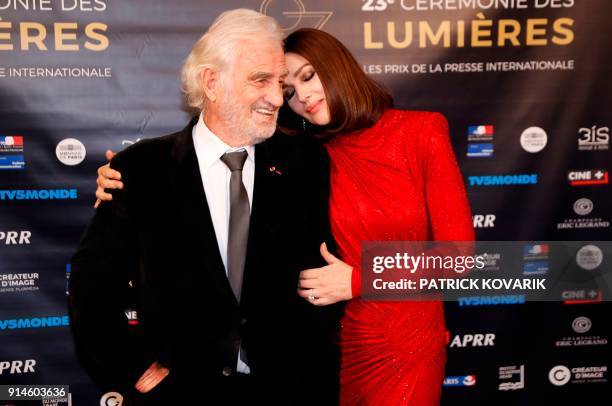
(313, 108)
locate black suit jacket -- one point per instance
(156, 241)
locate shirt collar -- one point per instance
(211, 148)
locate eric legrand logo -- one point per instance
(581, 324)
(583, 206)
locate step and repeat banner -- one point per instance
(525, 85)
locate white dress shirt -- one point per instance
(216, 180)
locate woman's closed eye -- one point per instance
(308, 76)
(289, 91)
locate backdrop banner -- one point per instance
(525, 85)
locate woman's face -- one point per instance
(304, 92)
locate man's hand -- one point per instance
(326, 285)
(107, 179)
(151, 377)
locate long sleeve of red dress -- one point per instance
(398, 180)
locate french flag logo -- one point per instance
(481, 130)
(11, 140)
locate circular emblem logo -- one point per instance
(534, 139)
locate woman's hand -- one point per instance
(327, 285)
(107, 179)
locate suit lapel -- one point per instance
(263, 221)
(196, 213)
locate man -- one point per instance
(215, 255)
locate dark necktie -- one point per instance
(238, 222)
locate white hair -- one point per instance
(216, 49)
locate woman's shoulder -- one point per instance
(412, 117)
(417, 130)
(415, 125)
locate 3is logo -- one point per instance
(593, 138)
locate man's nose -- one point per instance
(275, 96)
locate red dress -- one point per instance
(397, 180)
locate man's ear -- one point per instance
(209, 79)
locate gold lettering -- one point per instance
(367, 37)
(425, 33)
(532, 31)
(481, 30)
(91, 32)
(509, 30)
(61, 36)
(407, 35)
(5, 35)
(561, 26)
(36, 39)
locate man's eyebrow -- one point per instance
(256, 76)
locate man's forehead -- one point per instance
(264, 63)
(248, 47)
(264, 70)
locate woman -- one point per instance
(393, 177)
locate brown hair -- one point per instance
(355, 101)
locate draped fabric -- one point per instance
(397, 180)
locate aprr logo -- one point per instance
(15, 237)
(483, 220)
(17, 367)
(473, 340)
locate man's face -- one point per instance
(252, 91)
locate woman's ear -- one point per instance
(209, 79)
